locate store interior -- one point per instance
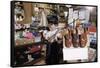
(44, 31)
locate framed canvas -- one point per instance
(52, 33)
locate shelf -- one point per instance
(28, 63)
(32, 28)
(19, 4)
(21, 29)
(34, 61)
(30, 44)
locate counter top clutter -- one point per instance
(28, 44)
(27, 54)
(25, 36)
(21, 26)
(23, 41)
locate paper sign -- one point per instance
(82, 14)
(75, 53)
(75, 15)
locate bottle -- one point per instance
(68, 39)
(75, 38)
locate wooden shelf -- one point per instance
(28, 63)
(30, 44)
(34, 61)
(21, 29)
(20, 5)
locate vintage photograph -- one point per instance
(52, 33)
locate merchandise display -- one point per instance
(52, 33)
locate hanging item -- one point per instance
(43, 18)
